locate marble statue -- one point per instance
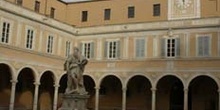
(74, 65)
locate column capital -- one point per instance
(124, 89)
(36, 83)
(186, 89)
(13, 81)
(97, 88)
(153, 89)
(56, 85)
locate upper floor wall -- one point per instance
(108, 12)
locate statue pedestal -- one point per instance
(74, 102)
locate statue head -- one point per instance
(76, 52)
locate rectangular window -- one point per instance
(19, 2)
(170, 47)
(52, 12)
(131, 12)
(5, 32)
(203, 46)
(30, 37)
(84, 16)
(68, 45)
(37, 6)
(50, 44)
(156, 9)
(140, 48)
(112, 49)
(107, 14)
(88, 49)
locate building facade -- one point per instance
(143, 54)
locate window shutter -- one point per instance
(118, 49)
(137, 48)
(106, 49)
(92, 50)
(206, 45)
(163, 47)
(177, 46)
(200, 46)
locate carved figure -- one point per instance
(74, 65)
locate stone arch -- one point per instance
(25, 88)
(137, 74)
(54, 76)
(46, 90)
(12, 70)
(109, 74)
(208, 75)
(138, 94)
(90, 85)
(110, 92)
(35, 72)
(170, 92)
(154, 84)
(200, 98)
(5, 83)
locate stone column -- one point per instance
(153, 106)
(56, 87)
(219, 99)
(124, 90)
(185, 99)
(97, 98)
(12, 98)
(36, 95)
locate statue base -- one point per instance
(74, 102)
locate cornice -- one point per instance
(150, 26)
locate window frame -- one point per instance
(50, 45)
(177, 46)
(117, 49)
(87, 52)
(52, 12)
(10, 22)
(143, 54)
(19, 2)
(68, 45)
(156, 9)
(37, 6)
(84, 16)
(209, 44)
(32, 45)
(131, 12)
(107, 14)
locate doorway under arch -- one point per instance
(203, 94)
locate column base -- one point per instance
(74, 102)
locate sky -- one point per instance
(74, 0)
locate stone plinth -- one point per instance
(74, 102)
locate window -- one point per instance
(156, 9)
(5, 32)
(84, 16)
(30, 37)
(203, 45)
(50, 44)
(52, 12)
(88, 49)
(37, 6)
(170, 47)
(112, 49)
(68, 45)
(140, 48)
(131, 12)
(107, 14)
(19, 2)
